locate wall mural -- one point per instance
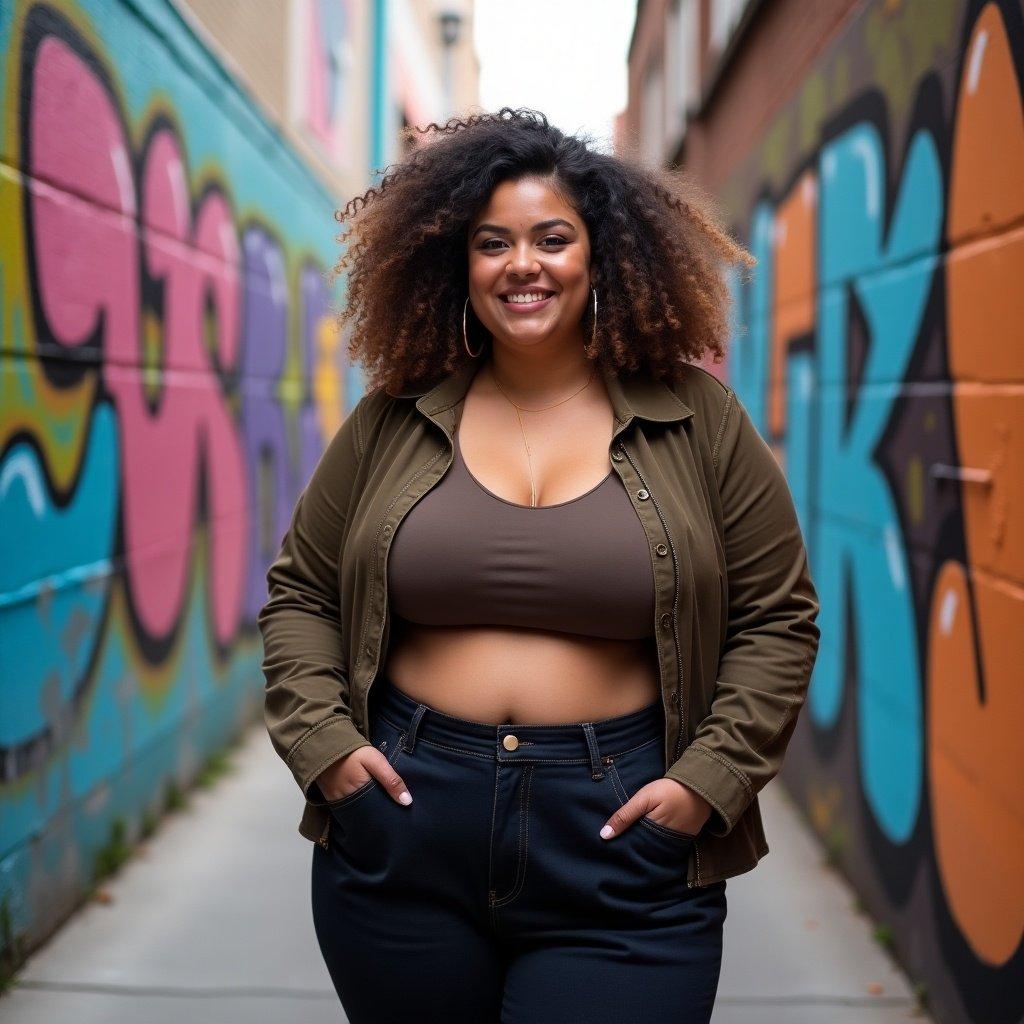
(326, 32)
(169, 374)
(879, 349)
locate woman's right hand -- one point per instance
(355, 769)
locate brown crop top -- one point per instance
(465, 556)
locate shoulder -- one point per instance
(710, 399)
(702, 384)
(380, 417)
(370, 414)
(718, 413)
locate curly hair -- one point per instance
(653, 234)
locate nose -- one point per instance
(521, 262)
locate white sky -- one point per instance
(566, 58)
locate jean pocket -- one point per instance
(388, 739)
(632, 771)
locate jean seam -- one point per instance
(490, 850)
(524, 840)
(617, 787)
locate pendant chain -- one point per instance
(521, 409)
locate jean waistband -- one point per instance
(569, 741)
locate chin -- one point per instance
(528, 338)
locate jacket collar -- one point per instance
(636, 395)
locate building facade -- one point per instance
(870, 155)
(169, 375)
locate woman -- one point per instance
(542, 622)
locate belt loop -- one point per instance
(410, 735)
(596, 771)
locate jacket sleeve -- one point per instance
(771, 637)
(306, 699)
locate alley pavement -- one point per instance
(210, 923)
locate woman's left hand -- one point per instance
(665, 801)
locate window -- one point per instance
(652, 135)
(682, 54)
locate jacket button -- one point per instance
(661, 549)
(642, 494)
(387, 528)
(371, 651)
(510, 742)
(666, 620)
(617, 455)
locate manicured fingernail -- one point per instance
(607, 831)
(404, 798)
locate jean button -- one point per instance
(510, 742)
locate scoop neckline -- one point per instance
(516, 504)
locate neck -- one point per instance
(533, 377)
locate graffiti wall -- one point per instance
(880, 348)
(327, 33)
(168, 378)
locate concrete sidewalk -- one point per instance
(211, 924)
(796, 949)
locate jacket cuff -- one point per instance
(719, 781)
(320, 746)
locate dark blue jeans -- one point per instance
(492, 897)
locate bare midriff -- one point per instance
(509, 675)
(504, 675)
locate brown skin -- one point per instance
(538, 358)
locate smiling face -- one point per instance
(529, 259)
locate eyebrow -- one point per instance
(539, 226)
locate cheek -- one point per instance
(481, 274)
(572, 271)
(575, 283)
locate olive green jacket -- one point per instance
(735, 607)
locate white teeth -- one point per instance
(529, 297)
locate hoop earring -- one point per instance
(593, 329)
(465, 336)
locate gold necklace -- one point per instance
(526, 443)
